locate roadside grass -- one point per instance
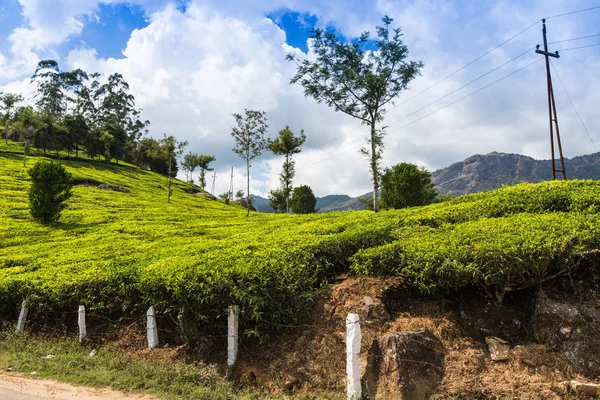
(169, 378)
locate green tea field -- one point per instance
(119, 252)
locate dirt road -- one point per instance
(15, 387)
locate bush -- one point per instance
(303, 200)
(50, 188)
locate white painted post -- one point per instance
(353, 338)
(81, 323)
(232, 335)
(22, 317)
(151, 328)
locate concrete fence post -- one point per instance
(232, 335)
(81, 323)
(22, 317)
(353, 339)
(151, 328)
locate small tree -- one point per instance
(203, 161)
(303, 200)
(189, 164)
(277, 201)
(359, 81)
(406, 185)
(250, 141)
(7, 102)
(50, 188)
(286, 144)
(173, 149)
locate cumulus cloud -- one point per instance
(191, 67)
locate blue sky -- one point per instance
(192, 63)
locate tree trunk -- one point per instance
(374, 172)
(169, 182)
(287, 185)
(248, 187)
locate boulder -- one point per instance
(574, 330)
(243, 204)
(404, 365)
(372, 311)
(499, 348)
(206, 195)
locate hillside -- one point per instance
(119, 247)
(481, 173)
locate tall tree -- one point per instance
(50, 99)
(79, 96)
(287, 144)
(303, 200)
(358, 80)
(173, 149)
(406, 185)
(249, 135)
(203, 161)
(7, 102)
(277, 201)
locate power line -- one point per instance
(573, 39)
(469, 95)
(573, 12)
(580, 47)
(440, 109)
(441, 80)
(573, 105)
(462, 87)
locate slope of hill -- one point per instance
(333, 202)
(483, 172)
(116, 252)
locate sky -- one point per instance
(192, 64)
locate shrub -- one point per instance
(50, 188)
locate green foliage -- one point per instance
(358, 80)
(49, 191)
(406, 185)
(303, 200)
(277, 201)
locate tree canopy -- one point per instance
(303, 200)
(287, 144)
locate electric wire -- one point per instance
(573, 12)
(580, 47)
(462, 87)
(439, 81)
(442, 108)
(573, 39)
(573, 105)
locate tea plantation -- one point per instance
(117, 253)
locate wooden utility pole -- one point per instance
(552, 107)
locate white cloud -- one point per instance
(191, 70)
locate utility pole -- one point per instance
(231, 184)
(212, 191)
(552, 107)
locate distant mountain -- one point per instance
(478, 173)
(483, 172)
(332, 202)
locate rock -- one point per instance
(206, 195)
(93, 353)
(404, 365)
(499, 348)
(372, 311)
(114, 188)
(243, 204)
(48, 357)
(588, 389)
(572, 330)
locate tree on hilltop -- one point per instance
(303, 200)
(358, 81)
(406, 185)
(249, 135)
(287, 144)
